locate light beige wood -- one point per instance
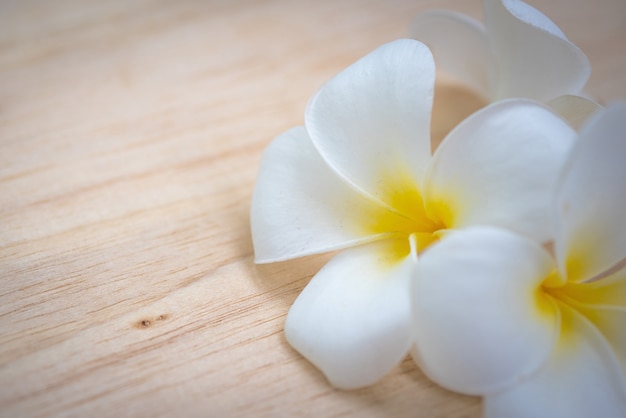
(130, 136)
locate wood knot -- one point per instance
(148, 322)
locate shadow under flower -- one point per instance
(453, 102)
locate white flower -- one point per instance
(360, 177)
(495, 315)
(519, 52)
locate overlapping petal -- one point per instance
(479, 321)
(610, 321)
(499, 167)
(603, 302)
(519, 52)
(352, 319)
(371, 123)
(591, 198)
(459, 45)
(580, 379)
(302, 207)
(533, 57)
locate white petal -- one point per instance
(533, 57)
(459, 45)
(574, 109)
(352, 319)
(371, 122)
(499, 167)
(301, 207)
(591, 198)
(611, 322)
(581, 379)
(603, 302)
(479, 320)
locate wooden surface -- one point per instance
(130, 137)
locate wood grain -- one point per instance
(130, 136)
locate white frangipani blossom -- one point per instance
(518, 52)
(360, 177)
(495, 314)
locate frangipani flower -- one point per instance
(495, 315)
(360, 178)
(519, 52)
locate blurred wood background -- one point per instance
(130, 137)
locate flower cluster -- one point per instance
(499, 260)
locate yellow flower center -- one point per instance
(553, 290)
(577, 296)
(406, 214)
